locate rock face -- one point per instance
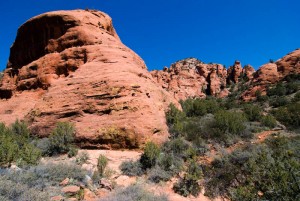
(72, 66)
(235, 72)
(271, 73)
(289, 64)
(192, 78)
(248, 72)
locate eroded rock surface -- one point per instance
(72, 66)
(271, 73)
(191, 78)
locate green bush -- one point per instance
(16, 146)
(296, 97)
(82, 158)
(101, 164)
(268, 121)
(174, 115)
(170, 163)
(157, 174)
(20, 129)
(278, 90)
(73, 151)
(199, 107)
(132, 168)
(271, 168)
(37, 182)
(230, 122)
(253, 112)
(189, 184)
(150, 155)
(279, 101)
(292, 87)
(289, 115)
(11, 190)
(61, 139)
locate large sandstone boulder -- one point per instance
(72, 66)
(190, 78)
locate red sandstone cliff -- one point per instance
(72, 66)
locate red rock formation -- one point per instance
(72, 66)
(267, 74)
(271, 73)
(190, 78)
(234, 72)
(248, 72)
(289, 64)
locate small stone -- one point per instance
(72, 199)
(89, 195)
(64, 182)
(259, 193)
(57, 198)
(105, 183)
(70, 190)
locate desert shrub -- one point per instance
(278, 90)
(268, 121)
(170, 163)
(176, 147)
(132, 168)
(82, 158)
(37, 182)
(101, 164)
(11, 190)
(61, 138)
(230, 122)
(54, 173)
(174, 115)
(43, 145)
(292, 87)
(189, 184)
(292, 77)
(289, 115)
(73, 151)
(271, 168)
(150, 155)
(19, 128)
(199, 107)
(174, 118)
(134, 192)
(253, 112)
(296, 97)
(16, 146)
(279, 101)
(157, 174)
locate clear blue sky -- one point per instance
(164, 31)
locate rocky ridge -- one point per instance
(271, 73)
(190, 78)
